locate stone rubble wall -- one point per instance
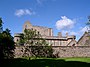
(62, 51)
(76, 51)
(18, 52)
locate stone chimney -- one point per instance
(67, 34)
(59, 34)
(50, 32)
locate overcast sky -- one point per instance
(60, 15)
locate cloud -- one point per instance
(21, 12)
(73, 33)
(70, 32)
(64, 23)
(71, 26)
(80, 31)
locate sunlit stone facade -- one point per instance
(47, 33)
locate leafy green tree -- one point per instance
(35, 44)
(6, 44)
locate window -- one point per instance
(17, 39)
(73, 45)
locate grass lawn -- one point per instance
(48, 62)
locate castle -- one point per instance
(59, 40)
(47, 34)
(64, 46)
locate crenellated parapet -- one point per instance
(47, 33)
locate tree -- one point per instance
(6, 44)
(35, 45)
(1, 28)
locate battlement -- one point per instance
(47, 33)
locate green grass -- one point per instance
(48, 62)
(87, 60)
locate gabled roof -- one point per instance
(82, 36)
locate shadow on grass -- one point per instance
(43, 63)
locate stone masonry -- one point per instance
(47, 33)
(63, 46)
(61, 51)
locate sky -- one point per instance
(61, 15)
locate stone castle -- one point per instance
(65, 46)
(47, 34)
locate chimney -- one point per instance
(67, 34)
(59, 34)
(50, 32)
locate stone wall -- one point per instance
(72, 51)
(19, 51)
(62, 51)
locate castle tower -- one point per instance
(17, 37)
(59, 34)
(27, 25)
